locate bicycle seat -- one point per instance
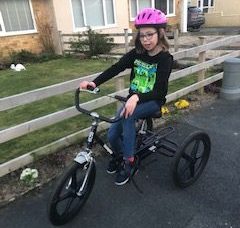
(155, 115)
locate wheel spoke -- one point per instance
(195, 149)
(66, 195)
(189, 165)
(192, 169)
(184, 168)
(69, 203)
(187, 157)
(199, 157)
(74, 181)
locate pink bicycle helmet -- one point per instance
(151, 17)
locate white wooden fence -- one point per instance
(38, 94)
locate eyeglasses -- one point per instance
(148, 36)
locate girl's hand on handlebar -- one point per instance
(86, 84)
(130, 106)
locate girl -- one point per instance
(151, 65)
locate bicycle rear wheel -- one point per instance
(191, 159)
(71, 192)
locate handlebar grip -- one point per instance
(91, 88)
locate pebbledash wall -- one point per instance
(42, 11)
(222, 14)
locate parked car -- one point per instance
(195, 18)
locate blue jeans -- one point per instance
(122, 134)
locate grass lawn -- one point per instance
(48, 73)
(44, 74)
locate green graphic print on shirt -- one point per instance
(144, 77)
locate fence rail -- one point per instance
(42, 93)
(126, 36)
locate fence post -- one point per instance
(176, 39)
(126, 39)
(201, 59)
(61, 42)
(120, 83)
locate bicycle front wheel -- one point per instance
(71, 192)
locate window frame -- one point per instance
(85, 27)
(22, 32)
(130, 7)
(209, 5)
(153, 5)
(1, 24)
(174, 10)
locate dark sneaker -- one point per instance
(114, 165)
(125, 172)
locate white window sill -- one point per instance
(84, 29)
(2, 34)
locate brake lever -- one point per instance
(93, 91)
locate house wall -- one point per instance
(222, 14)
(30, 42)
(64, 17)
(65, 24)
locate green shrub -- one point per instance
(91, 43)
(25, 56)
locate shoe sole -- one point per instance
(122, 183)
(111, 172)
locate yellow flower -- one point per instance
(181, 104)
(164, 110)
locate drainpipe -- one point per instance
(184, 5)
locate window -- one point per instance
(93, 13)
(167, 6)
(204, 5)
(138, 5)
(1, 23)
(16, 16)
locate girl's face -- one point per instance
(149, 38)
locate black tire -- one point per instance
(64, 202)
(191, 159)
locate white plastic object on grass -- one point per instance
(18, 67)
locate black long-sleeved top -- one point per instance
(149, 74)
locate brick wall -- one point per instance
(30, 42)
(8, 44)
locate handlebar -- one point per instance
(85, 111)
